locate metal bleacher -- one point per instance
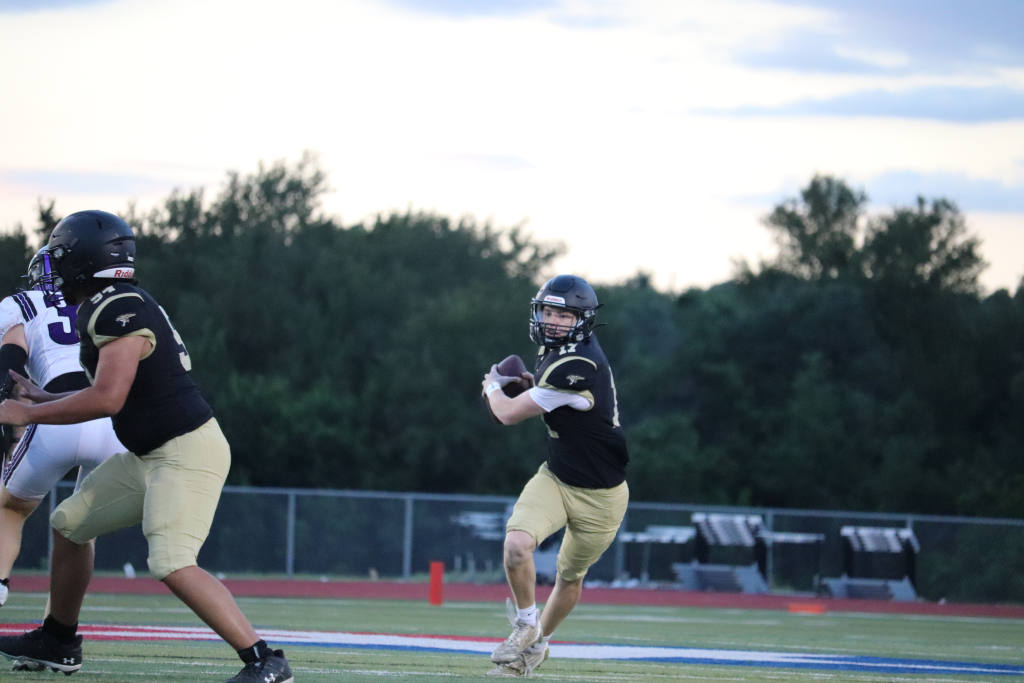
(490, 526)
(878, 563)
(740, 544)
(719, 537)
(656, 535)
(732, 552)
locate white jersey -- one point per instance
(49, 331)
(45, 453)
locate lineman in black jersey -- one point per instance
(170, 481)
(582, 484)
(164, 401)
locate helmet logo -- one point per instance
(121, 273)
(552, 299)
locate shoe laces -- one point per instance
(517, 626)
(518, 633)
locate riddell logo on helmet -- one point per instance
(116, 273)
(551, 298)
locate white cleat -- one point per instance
(3, 594)
(525, 664)
(523, 650)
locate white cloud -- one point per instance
(578, 120)
(882, 58)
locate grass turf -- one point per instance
(963, 639)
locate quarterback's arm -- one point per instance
(510, 411)
(536, 401)
(115, 373)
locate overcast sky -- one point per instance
(644, 135)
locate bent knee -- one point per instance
(63, 525)
(518, 546)
(22, 506)
(163, 564)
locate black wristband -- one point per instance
(13, 357)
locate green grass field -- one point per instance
(960, 639)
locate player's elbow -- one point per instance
(108, 403)
(109, 407)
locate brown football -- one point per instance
(512, 366)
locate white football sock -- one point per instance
(528, 614)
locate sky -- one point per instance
(644, 135)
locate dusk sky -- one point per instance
(646, 136)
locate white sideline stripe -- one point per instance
(559, 650)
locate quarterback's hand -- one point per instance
(525, 380)
(14, 413)
(494, 376)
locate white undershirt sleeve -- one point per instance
(549, 399)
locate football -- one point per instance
(512, 366)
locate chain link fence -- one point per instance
(340, 534)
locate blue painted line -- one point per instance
(568, 651)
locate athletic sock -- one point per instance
(528, 614)
(254, 652)
(61, 632)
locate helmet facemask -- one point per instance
(42, 277)
(548, 334)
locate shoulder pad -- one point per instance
(569, 373)
(118, 314)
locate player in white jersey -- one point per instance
(38, 339)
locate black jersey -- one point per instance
(586, 448)
(164, 401)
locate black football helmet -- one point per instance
(88, 246)
(571, 293)
(41, 276)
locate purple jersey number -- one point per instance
(65, 332)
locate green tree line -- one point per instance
(862, 369)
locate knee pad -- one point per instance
(61, 523)
(162, 564)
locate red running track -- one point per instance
(467, 592)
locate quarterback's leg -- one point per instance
(537, 514)
(519, 567)
(562, 600)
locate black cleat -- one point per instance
(271, 669)
(38, 650)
